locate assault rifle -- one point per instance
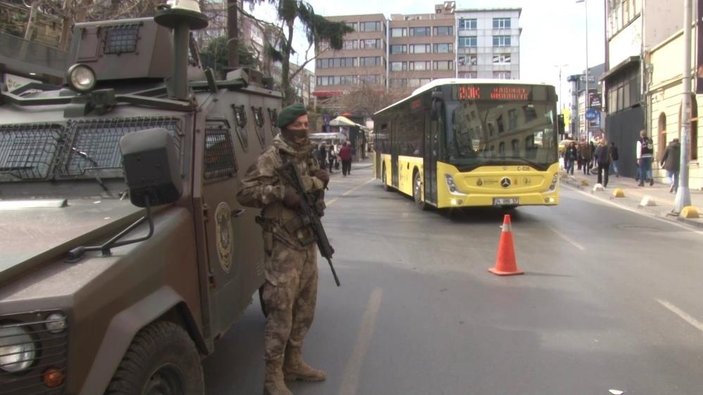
(308, 214)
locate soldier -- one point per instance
(290, 291)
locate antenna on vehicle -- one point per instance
(182, 16)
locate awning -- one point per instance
(632, 60)
(343, 121)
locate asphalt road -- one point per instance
(610, 301)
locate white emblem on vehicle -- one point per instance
(505, 182)
(223, 233)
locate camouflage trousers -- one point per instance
(290, 303)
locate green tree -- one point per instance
(216, 55)
(317, 29)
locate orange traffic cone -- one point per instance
(505, 259)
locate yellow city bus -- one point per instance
(471, 142)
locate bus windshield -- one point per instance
(486, 132)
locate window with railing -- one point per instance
(419, 31)
(468, 24)
(443, 48)
(443, 31)
(398, 48)
(374, 26)
(468, 42)
(399, 32)
(501, 23)
(419, 48)
(370, 43)
(501, 41)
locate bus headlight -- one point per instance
(17, 349)
(555, 180)
(450, 183)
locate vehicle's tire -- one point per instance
(261, 302)
(162, 360)
(384, 180)
(417, 192)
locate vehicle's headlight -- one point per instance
(56, 322)
(17, 349)
(450, 183)
(555, 180)
(81, 77)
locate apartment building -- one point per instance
(410, 50)
(362, 60)
(421, 48)
(488, 43)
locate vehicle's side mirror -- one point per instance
(150, 160)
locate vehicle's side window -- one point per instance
(240, 122)
(258, 124)
(219, 151)
(273, 117)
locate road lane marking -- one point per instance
(352, 371)
(331, 202)
(567, 239)
(682, 314)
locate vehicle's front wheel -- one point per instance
(417, 192)
(162, 360)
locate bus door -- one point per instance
(431, 150)
(395, 146)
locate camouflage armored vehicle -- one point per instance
(124, 254)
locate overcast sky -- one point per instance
(553, 31)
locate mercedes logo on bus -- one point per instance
(505, 182)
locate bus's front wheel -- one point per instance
(417, 192)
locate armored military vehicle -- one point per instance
(124, 254)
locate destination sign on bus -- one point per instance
(495, 92)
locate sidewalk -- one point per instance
(655, 200)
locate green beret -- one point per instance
(290, 114)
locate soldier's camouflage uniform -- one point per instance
(290, 291)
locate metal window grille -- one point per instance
(219, 151)
(28, 151)
(121, 39)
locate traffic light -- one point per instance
(560, 124)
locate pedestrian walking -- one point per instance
(614, 157)
(289, 293)
(645, 152)
(586, 155)
(671, 161)
(570, 156)
(345, 155)
(602, 158)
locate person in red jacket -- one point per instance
(345, 154)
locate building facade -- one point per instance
(362, 60)
(408, 51)
(643, 83)
(488, 43)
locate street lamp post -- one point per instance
(586, 101)
(683, 194)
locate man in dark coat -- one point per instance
(671, 162)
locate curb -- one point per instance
(576, 184)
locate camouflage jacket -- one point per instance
(264, 188)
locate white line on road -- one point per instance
(567, 239)
(682, 314)
(329, 203)
(350, 383)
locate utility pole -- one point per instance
(586, 96)
(683, 194)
